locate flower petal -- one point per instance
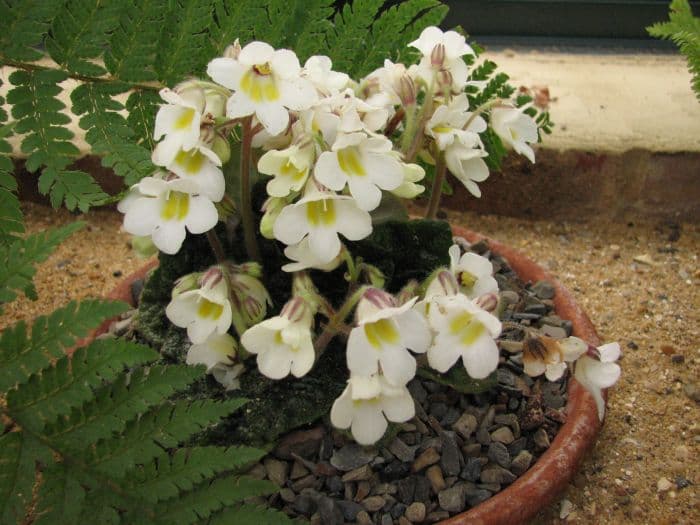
(414, 330)
(275, 363)
(274, 117)
(398, 409)
(169, 236)
(398, 365)
(361, 357)
(202, 215)
(443, 354)
(481, 358)
(291, 226)
(226, 71)
(342, 410)
(368, 423)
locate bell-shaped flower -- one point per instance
(304, 258)
(199, 164)
(214, 96)
(319, 70)
(321, 216)
(289, 168)
(367, 164)
(283, 343)
(163, 209)
(474, 273)
(367, 403)
(467, 165)
(408, 189)
(179, 121)
(265, 82)
(384, 333)
(597, 370)
(463, 330)
(389, 86)
(548, 356)
(205, 310)
(218, 354)
(516, 129)
(455, 123)
(443, 52)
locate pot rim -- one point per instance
(549, 475)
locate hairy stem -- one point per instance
(247, 218)
(394, 122)
(436, 193)
(336, 322)
(417, 138)
(216, 246)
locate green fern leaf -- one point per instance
(347, 38)
(142, 106)
(394, 29)
(297, 25)
(23, 27)
(165, 426)
(134, 44)
(183, 47)
(19, 258)
(120, 402)
(188, 467)
(75, 189)
(24, 354)
(11, 219)
(109, 133)
(61, 497)
(236, 19)
(249, 515)
(56, 390)
(80, 32)
(209, 498)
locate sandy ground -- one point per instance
(650, 305)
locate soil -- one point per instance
(638, 282)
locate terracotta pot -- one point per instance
(541, 484)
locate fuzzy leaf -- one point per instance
(61, 497)
(236, 19)
(23, 28)
(347, 38)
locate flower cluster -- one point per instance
(332, 149)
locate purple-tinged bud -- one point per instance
(444, 80)
(233, 51)
(295, 310)
(373, 300)
(185, 284)
(437, 56)
(407, 90)
(408, 292)
(488, 302)
(447, 282)
(211, 277)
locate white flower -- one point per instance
(321, 217)
(319, 70)
(443, 51)
(597, 373)
(463, 330)
(408, 189)
(203, 311)
(389, 86)
(289, 167)
(304, 258)
(366, 164)
(179, 119)
(266, 82)
(544, 355)
(467, 165)
(367, 403)
(515, 129)
(474, 273)
(163, 209)
(449, 124)
(218, 353)
(384, 333)
(283, 343)
(199, 164)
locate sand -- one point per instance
(650, 305)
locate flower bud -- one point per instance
(374, 275)
(233, 51)
(444, 80)
(271, 210)
(437, 56)
(304, 288)
(442, 282)
(249, 299)
(212, 277)
(407, 90)
(143, 246)
(408, 292)
(488, 301)
(221, 147)
(185, 284)
(373, 300)
(296, 310)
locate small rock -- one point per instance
(287, 495)
(417, 391)
(436, 516)
(304, 504)
(373, 503)
(305, 483)
(496, 474)
(304, 443)
(555, 332)
(645, 259)
(565, 509)
(335, 485)
(363, 490)
(402, 451)
(437, 481)
(521, 462)
(350, 509)
(363, 518)
(387, 519)
(359, 474)
(415, 512)
(298, 471)
(503, 435)
(330, 512)
(422, 492)
(498, 453)
(466, 425)
(472, 470)
(405, 489)
(450, 456)
(257, 471)
(664, 485)
(404, 521)
(681, 482)
(511, 346)
(452, 499)
(352, 456)
(541, 439)
(483, 436)
(429, 457)
(678, 359)
(543, 289)
(276, 471)
(474, 496)
(692, 391)
(472, 450)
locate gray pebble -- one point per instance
(555, 332)
(304, 504)
(503, 435)
(422, 490)
(472, 470)
(450, 457)
(352, 456)
(541, 438)
(387, 519)
(465, 425)
(483, 436)
(452, 499)
(543, 289)
(402, 451)
(496, 474)
(405, 489)
(498, 453)
(373, 503)
(521, 462)
(474, 496)
(416, 512)
(330, 512)
(276, 471)
(287, 495)
(363, 518)
(359, 474)
(350, 509)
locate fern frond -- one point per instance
(394, 29)
(249, 515)
(183, 49)
(25, 353)
(54, 391)
(11, 217)
(60, 498)
(142, 105)
(684, 30)
(117, 403)
(19, 258)
(347, 38)
(208, 498)
(236, 19)
(80, 32)
(165, 426)
(187, 467)
(109, 133)
(134, 43)
(23, 27)
(298, 25)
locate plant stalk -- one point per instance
(436, 193)
(216, 246)
(335, 323)
(247, 218)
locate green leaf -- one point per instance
(24, 354)
(297, 25)
(23, 27)
(61, 497)
(142, 106)
(458, 379)
(11, 219)
(19, 258)
(236, 19)
(347, 38)
(69, 382)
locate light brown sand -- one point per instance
(652, 429)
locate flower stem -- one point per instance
(478, 111)
(436, 193)
(247, 218)
(417, 140)
(335, 323)
(216, 246)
